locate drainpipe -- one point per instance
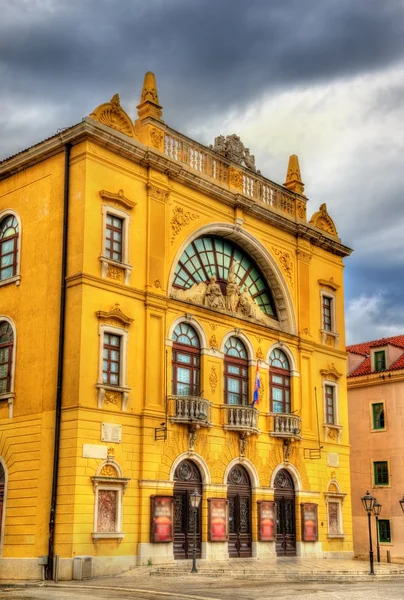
(58, 411)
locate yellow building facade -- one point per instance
(170, 322)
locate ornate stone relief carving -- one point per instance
(156, 138)
(287, 447)
(301, 210)
(286, 262)
(235, 179)
(112, 397)
(304, 257)
(232, 148)
(243, 442)
(179, 219)
(108, 471)
(213, 379)
(323, 221)
(157, 193)
(193, 431)
(331, 372)
(112, 114)
(259, 354)
(114, 273)
(329, 283)
(210, 295)
(213, 342)
(157, 284)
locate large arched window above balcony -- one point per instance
(219, 274)
(280, 382)
(185, 361)
(235, 372)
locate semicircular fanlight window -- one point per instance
(185, 334)
(209, 255)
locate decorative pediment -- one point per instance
(118, 198)
(329, 283)
(322, 220)
(331, 373)
(112, 114)
(114, 316)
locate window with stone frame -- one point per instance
(6, 357)
(185, 361)
(280, 382)
(381, 472)
(330, 412)
(235, 372)
(111, 363)
(114, 238)
(334, 499)
(9, 234)
(109, 488)
(327, 313)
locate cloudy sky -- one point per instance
(320, 78)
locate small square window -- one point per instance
(380, 360)
(384, 531)
(381, 472)
(378, 415)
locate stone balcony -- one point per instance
(285, 425)
(241, 418)
(189, 410)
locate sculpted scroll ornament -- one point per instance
(114, 273)
(157, 193)
(213, 342)
(286, 262)
(179, 219)
(322, 220)
(301, 210)
(236, 179)
(108, 471)
(213, 379)
(112, 114)
(156, 138)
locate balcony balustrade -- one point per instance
(241, 418)
(190, 410)
(285, 425)
(253, 185)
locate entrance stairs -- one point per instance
(283, 569)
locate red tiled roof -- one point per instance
(364, 350)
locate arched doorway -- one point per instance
(239, 496)
(285, 514)
(187, 479)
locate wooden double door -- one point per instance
(239, 497)
(285, 514)
(187, 479)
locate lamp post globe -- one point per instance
(368, 502)
(195, 502)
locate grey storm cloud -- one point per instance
(208, 56)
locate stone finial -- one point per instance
(293, 178)
(149, 101)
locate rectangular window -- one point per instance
(330, 404)
(107, 511)
(333, 518)
(111, 359)
(381, 472)
(384, 531)
(378, 415)
(113, 241)
(327, 313)
(380, 360)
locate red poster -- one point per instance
(266, 520)
(309, 522)
(161, 519)
(218, 520)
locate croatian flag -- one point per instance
(257, 385)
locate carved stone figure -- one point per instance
(232, 291)
(249, 160)
(214, 297)
(248, 306)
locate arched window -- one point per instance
(6, 356)
(186, 361)
(280, 382)
(235, 372)
(8, 247)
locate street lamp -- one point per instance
(402, 503)
(368, 503)
(195, 501)
(377, 508)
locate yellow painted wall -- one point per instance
(26, 440)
